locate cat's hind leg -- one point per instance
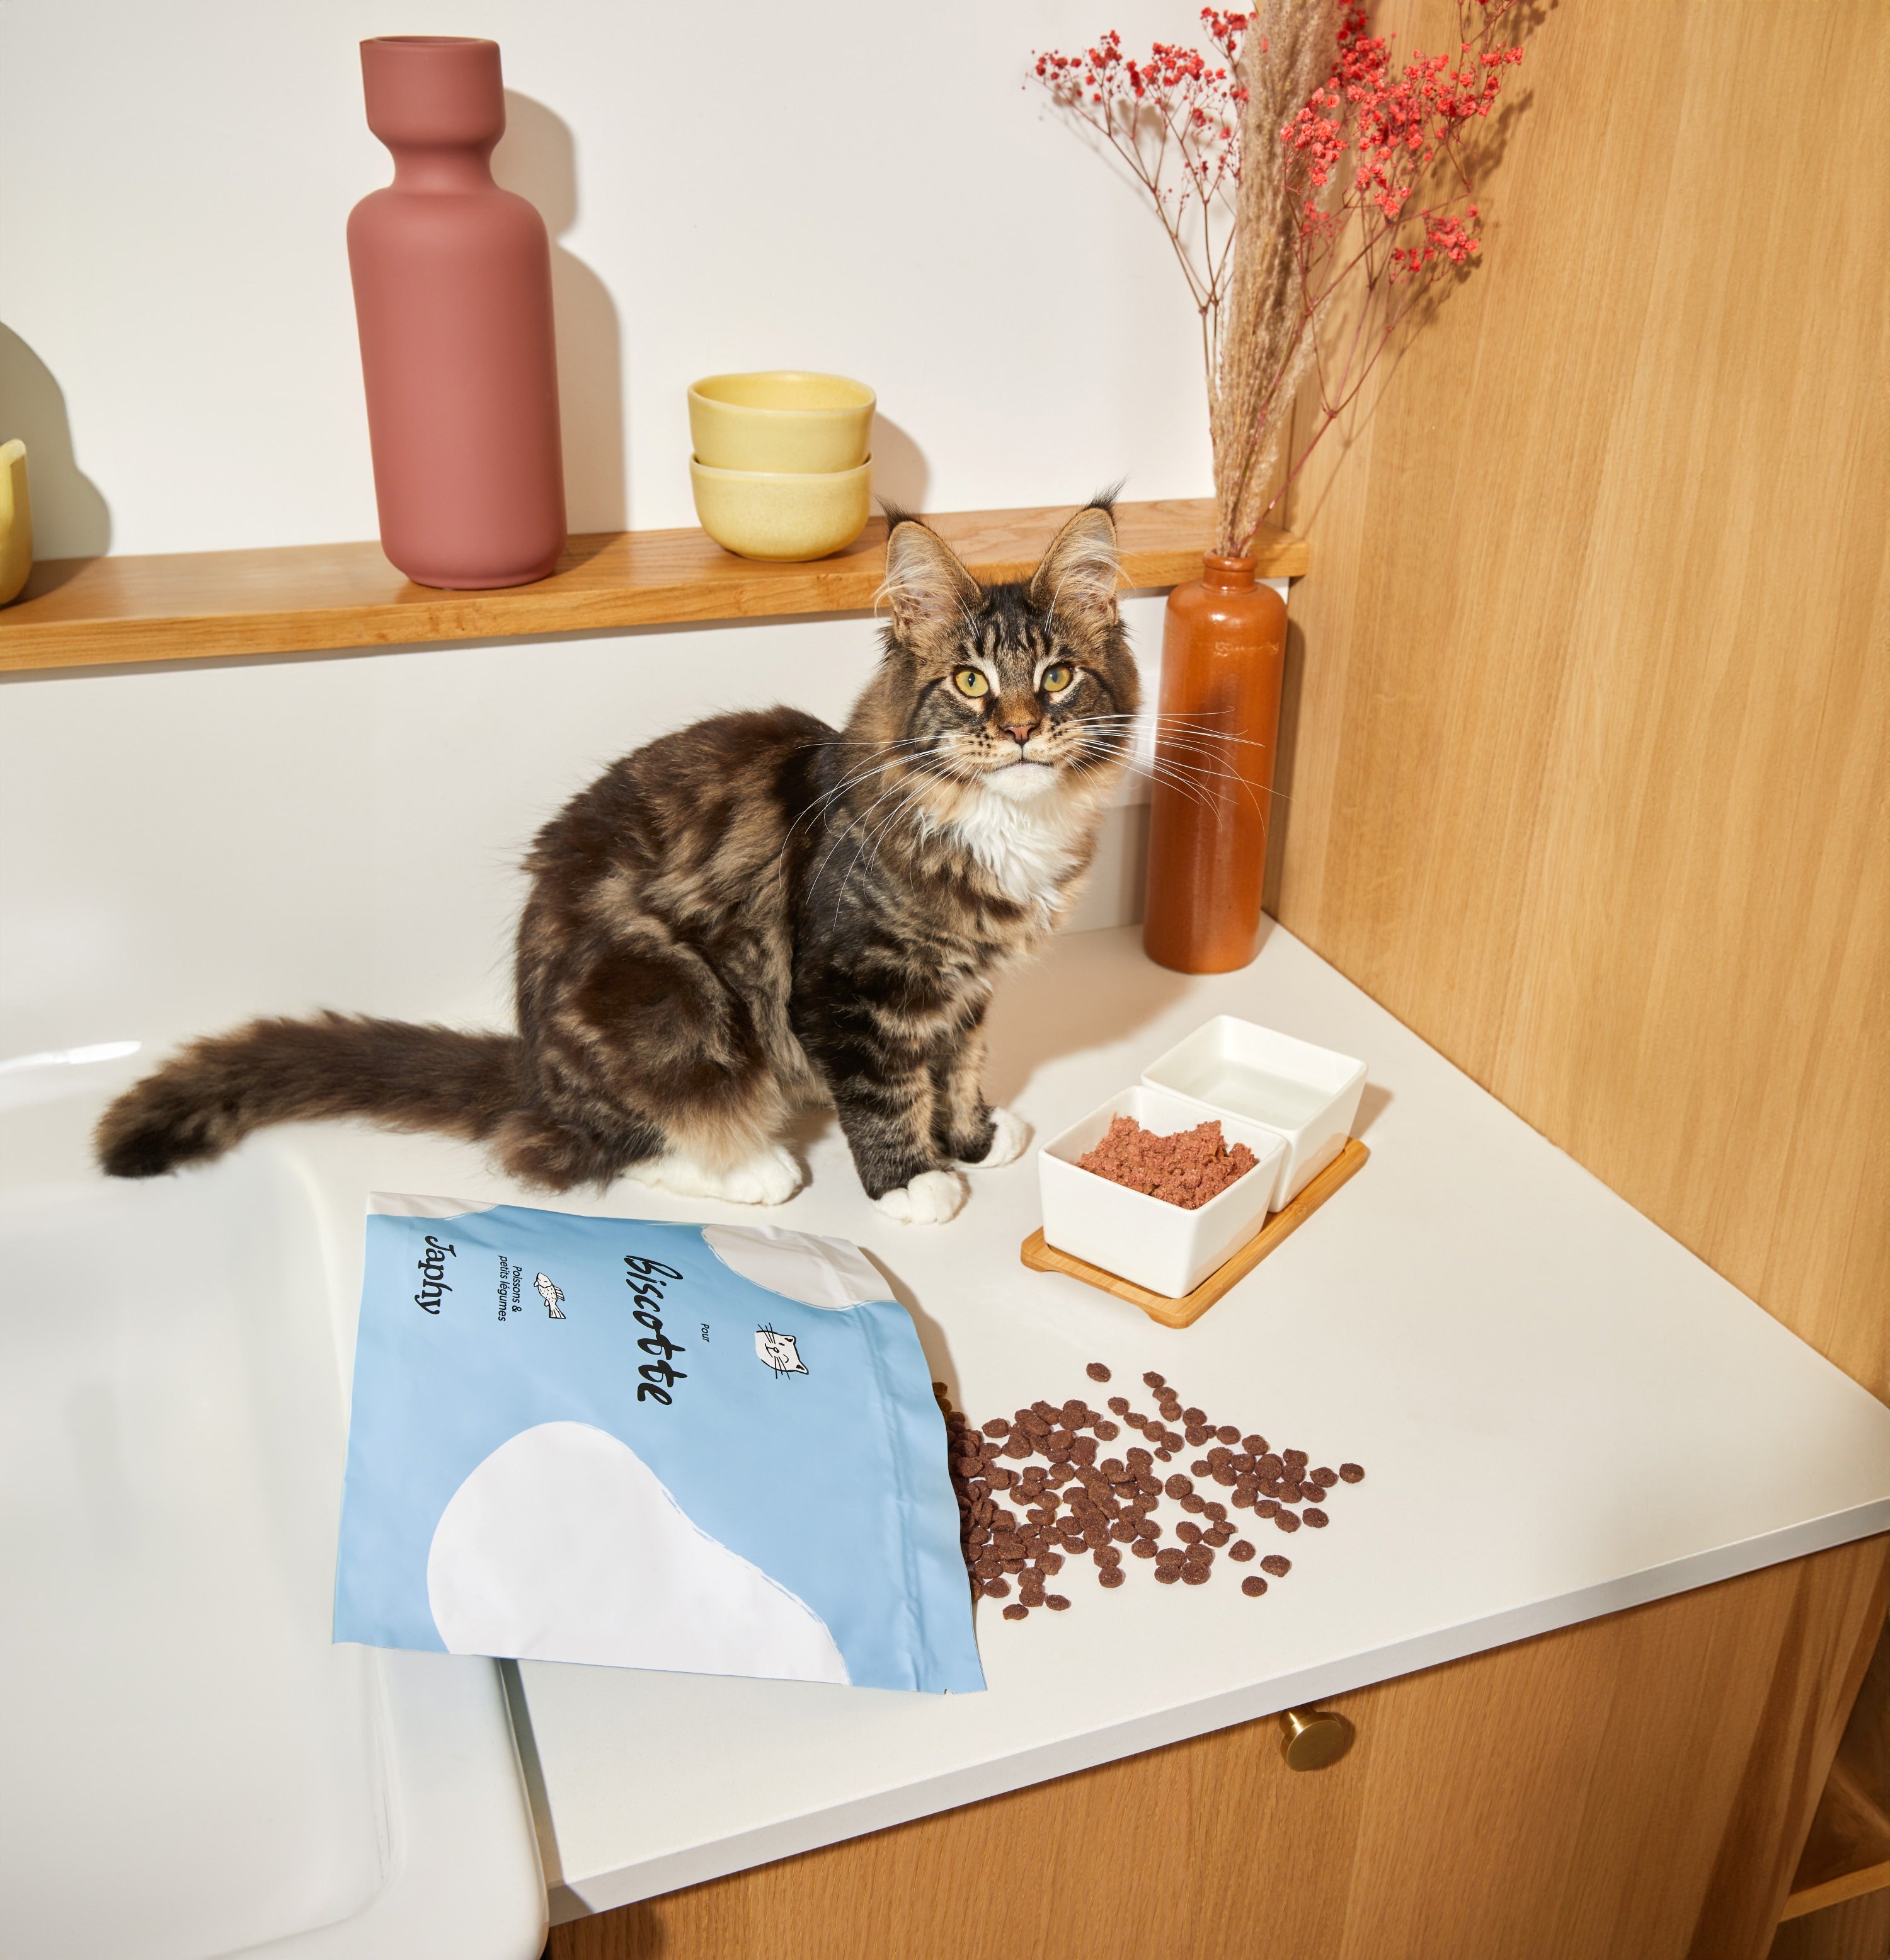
(768, 1175)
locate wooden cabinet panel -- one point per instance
(1637, 1786)
(1589, 725)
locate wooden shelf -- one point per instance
(312, 598)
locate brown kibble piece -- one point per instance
(1296, 1459)
(1144, 1548)
(998, 1588)
(1327, 1477)
(1188, 1532)
(1152, 1380)
(1275, 1564)
(1167, 1575)
(1056, 1603)
(1110, 1577)
(1118, 1405)
(1228, 1433)
(1108, 1431)
(1178, 1486)
(1097, 1372)
(1288, 1521)
(1268, 1507)
(1253, 1585)
(1240, 1550)
(1016, 1610)
(997, 1427)
(1195, 1575)
(1316, 1519)
(1351, 1473)
(1254, 1445)
(1195, 1435)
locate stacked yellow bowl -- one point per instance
(780, 468)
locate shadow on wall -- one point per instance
(537, 157)
(899, 474)
(71, 519)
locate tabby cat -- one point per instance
(757, 913)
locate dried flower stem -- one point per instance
(1283, 256)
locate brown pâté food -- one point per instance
(1186, 1169)
(1035, 1488)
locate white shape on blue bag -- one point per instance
(565, 1544)
(806, 1266)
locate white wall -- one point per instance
(845, 184)
(866, 188)
(183, 848)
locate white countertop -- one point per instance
(1560, 1410)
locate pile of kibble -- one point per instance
(1072, 1503)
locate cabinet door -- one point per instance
(1634, 1788)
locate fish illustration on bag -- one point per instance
(551, 1293)
(779, 1351)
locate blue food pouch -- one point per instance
(709, 1449)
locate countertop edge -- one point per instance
(577, 1897)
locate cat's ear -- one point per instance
(928, 592)
(1076, 583)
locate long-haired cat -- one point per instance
(753, 913)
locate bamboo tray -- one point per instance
(1042, 1257)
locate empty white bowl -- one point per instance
(1236, 1070)
(1160, 1245)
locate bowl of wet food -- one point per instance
(1307, 1097)
(1150, 1187)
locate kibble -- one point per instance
(1068, 1497)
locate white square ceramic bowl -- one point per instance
(1162, 1246)
(1307, 1095)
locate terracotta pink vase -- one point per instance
(452, 294)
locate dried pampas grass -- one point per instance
(1266, 340)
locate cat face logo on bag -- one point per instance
(779, 1351)
(551, 1294)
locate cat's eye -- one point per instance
(1057, 678)
(971, 681)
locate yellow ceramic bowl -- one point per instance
(787, 516)
(800, 423)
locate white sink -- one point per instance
(191, 1768)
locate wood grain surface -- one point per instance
(305, 598)
(1184, 1310)
(1613, 1792)
(1847, 1851)
(1590, 697)
(1857, 1930)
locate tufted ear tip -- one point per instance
(1077, 581)
(926, 586)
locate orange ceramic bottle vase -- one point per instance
(452, 296)
(1222, 651)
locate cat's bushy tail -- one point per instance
(209, 1097)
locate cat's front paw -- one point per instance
(1009, 1136)
(931, 1198)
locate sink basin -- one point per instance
(193, 1768)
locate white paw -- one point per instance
(770, 1177)
(1009, 1136)
(931, 1198)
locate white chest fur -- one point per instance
(1030, 845)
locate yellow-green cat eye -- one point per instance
(1056, 679)
(971, 681)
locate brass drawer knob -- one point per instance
(1313, 1738)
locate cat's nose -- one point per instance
(1020, 732)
